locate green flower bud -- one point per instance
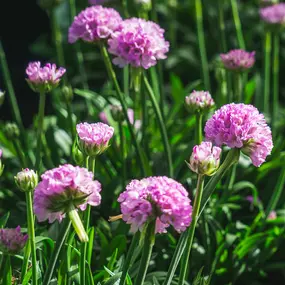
(26, 180)
(11, 131)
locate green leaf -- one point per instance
(4, 220)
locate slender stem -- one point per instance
(122, 146)
(191, 230)
(237, 87)
(11, 92)
(222, 25)
(20, 154)
(232, 178)
(128, 260)
(149, 241)
(113, 77)
(276, 48)
(202, 47)
(2, 266)
(25, 263)
(153, 11)
(70, 120)
(77, 225)
(125, 8)
(162, 126)
(31, 232)
(126, 80)
(267, 67)
(59, 243)
(40, 129)
(199, 128)
(232, 157)
(237, 23)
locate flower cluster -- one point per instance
(12, 241)
(43, 79)
(64, 187)
(159, 198)
(274, 14)
(205, 159)
(238, 60)
(199, 101)
(139, 43)
(94, 138)
(26, 180)
(241, 126)
(94, 23)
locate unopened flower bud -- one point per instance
(2, 97)
(117, 113)
(26, 180)
(11, 131)
(199, 101)
(12, 241)
(205, 159)
(93, 139)
(77, 155)
(67, 93)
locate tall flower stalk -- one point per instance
(267, 68)
(276, 50)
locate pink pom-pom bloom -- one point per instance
(12, 241)
(93, 24)
(139, 43)
(199, 101)
(93, 139)
(159, 198)
(64, 188)
(205, 159)
(241, 126)
(43, 79)
(238, 60)
(273, 15)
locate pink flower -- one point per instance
(205, 159)
(241, 126)
(159, 198)
(272, 215)
(12, 241)
(62, 188)
(94, 138)
(43, 78)
(1, 152)
(274, 14)
(199, 101)
(139, 43)
(238, 59)
(93, 24)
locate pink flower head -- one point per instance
(199, 101)
(43, 78)
(241, 126)
(238, 59)
(1, 152)
(94, 138)
(272, 215)
(12, 241)
(93, 24)
(273, 15)
(205, 159)
(139, 43)
(159, 198)
(62, 187)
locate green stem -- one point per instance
(237, 87)
(149, 241)
(161, 124)
(122, 146)
(222, 25)
(199, 128)
(31, 232)
(237, 23)
(128, 260)
(113, 77)
(40, 129)
(126, 80)
(276, 48)
(10, 89)
(70, 120)
(125, 8)
(232, 177)
(267, 67)
(20, 154)
(191, 230)
(25, 263)
(3, 261)
(55, 254)
(232, 157)
(153, 11)
(202, 47)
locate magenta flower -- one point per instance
(238, 59)
(273, 15)
(63, 188)
(93, 24)
(159, 198)
(12, 241)
(94, 138)
(199, 101)
(241, 126)
(205, 159)
(43, 79)
(139, 43)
